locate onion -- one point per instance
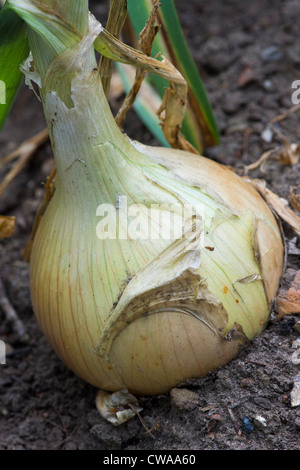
(136, 311)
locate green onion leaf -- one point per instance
(13, 51)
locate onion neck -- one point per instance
(83, 131)
(79, 134)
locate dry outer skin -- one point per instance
(289, 301)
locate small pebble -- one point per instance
(295, 393)
(268, 84)
(267, 135)
(296, 344)
(296, 357)
(297, 327)
(271, 54)
(247, 382)
(292, 246)
(260, 421)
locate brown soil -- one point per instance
(248, 55)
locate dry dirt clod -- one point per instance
(184, 399)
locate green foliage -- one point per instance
(200, 117)
(13, 51)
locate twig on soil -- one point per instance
(235, 424)
(148, 431)
(285, 114)
(273, 153)
(287, 154)
(11, 315)
(24, 152)
(62, 427)
(65, 439)
(245, 148)
(256, 363)
(58, 426)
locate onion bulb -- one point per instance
(123, 303)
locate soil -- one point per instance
(248, 55)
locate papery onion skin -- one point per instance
(155, 352)
(144, 314)
(77, 280)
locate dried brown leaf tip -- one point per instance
(295, 197)
(278, 204)
(23, 154)
(290, 154)
(7, 226)
(288, 301)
